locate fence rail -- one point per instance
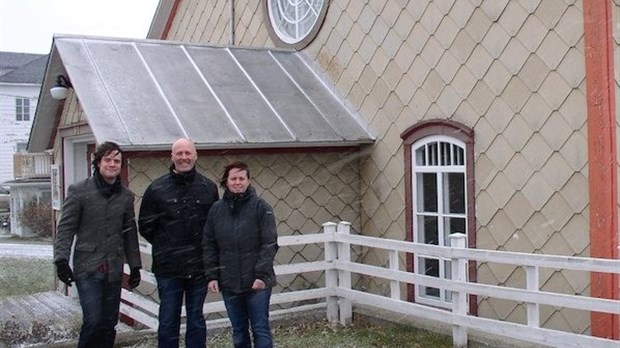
(338, 298)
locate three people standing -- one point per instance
(240, 244)
(199, 243)
(173, 212)
(99, 213)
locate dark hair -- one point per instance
(105, 149)
(235, 165)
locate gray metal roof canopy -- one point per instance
(144, 94)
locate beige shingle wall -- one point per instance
(304, 189)
(208, 22)
(511, 70)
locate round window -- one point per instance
(294, 23)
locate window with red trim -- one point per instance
(439, 170)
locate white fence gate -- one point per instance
(338, 298)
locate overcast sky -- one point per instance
(28, 26)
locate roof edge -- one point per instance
(253, 146)
(161, 19)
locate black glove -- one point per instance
(134, 278)
(64, 272)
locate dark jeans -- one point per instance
(250, 308)
(171, 291)
(100, 300)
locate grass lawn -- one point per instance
(20, 276)
(358, 335)
(321, 334)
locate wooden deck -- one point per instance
(39, 318)
(46, 319)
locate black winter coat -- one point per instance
(240, 242)
(173, 212)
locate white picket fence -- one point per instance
(337, 298)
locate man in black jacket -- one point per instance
(173, 211)
(98, 214)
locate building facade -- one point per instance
(20, 82)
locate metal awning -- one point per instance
(144, 94)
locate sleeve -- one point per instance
(68, 225)
(211, 253)
(130, 235)
(216, 193)
(268, 241)
(147, 220)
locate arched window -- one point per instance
(439, 171)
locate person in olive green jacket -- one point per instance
(99, 214)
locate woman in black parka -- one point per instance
(240, 244)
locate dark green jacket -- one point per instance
(104, 229)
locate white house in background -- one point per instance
(20, 83)
(26, 175)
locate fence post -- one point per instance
(331, 275)
(459, 299)
(344, 277)
(394, 284)
(533, 309)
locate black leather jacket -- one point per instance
(240, 242)
(173, 212)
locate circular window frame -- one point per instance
(273, 32)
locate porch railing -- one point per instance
(337, 298)
(31, 165)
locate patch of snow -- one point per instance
(36, 251)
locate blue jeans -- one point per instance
(249, 308)
(99, 300)
(171, 291)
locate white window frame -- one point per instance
(22, 109)
(443, 299)
(294, 24)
